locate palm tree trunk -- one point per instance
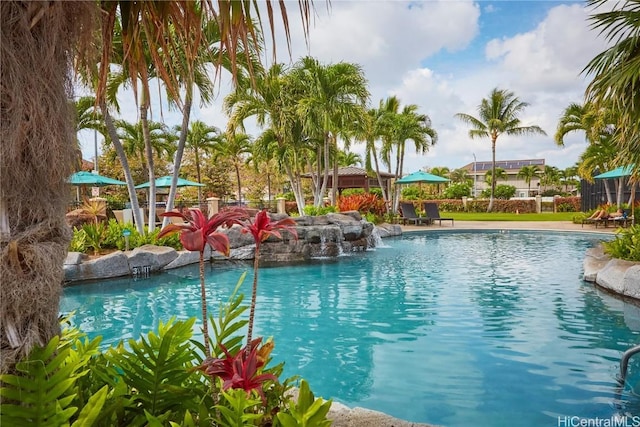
(620, 194)
(607, 191)
(198, 175)
(325, 175)
(493, 174)
(254, 296)
(117, 145)
(380, 183)
(334, 186)
(186, 113)
(203, 301)
(37, 155)
(144, 108)
(237, 167)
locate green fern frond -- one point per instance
(229, 322)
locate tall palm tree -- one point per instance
(598, 123)
(527, 173)
(234, 146)
(133, 141)
(616, 74)
(409, 125)
(497, 115)
(442, 171)
(332, 100)
(201, 138)
(549, 176)
(272, 100)
(39, 40)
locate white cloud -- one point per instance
(393, 40)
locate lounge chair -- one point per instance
(409, 215)
(433, 213)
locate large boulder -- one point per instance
(613, 274)
(594, 260)
(111, 265)
(155, 257)
(631, 281)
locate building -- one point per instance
(478, 170)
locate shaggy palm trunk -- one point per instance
(254, 296)
(203, 300)
(144, 108)
(36, 157)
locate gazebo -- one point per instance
(353, 177)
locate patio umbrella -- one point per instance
(165, 182)
(618, 172)
(92, 179)
(621, 172)
(421, 176)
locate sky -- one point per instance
(445, 57)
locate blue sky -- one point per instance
(445, 56)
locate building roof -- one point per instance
(507, 165)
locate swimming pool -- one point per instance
(451, 328)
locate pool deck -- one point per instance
(511, 225)
(343, 416)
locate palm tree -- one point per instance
(616, 74)
(332, 100)
(528, 173)
(133, 141)
(440, 171)
(497, 115)
(234, 146)
(201, 137)
(549, 176)
(499, 174)
(460, 176)
(347, 158)
(39, 40)
(414, 127)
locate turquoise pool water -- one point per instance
(451, 328)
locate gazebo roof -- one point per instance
(354, 177)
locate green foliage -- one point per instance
(373, 218)
(310, 210)
(235, 409)
(151, 381)
(94, 236)
(457, 191)
(157, 371)
(105, 236)
(351, 191)
(413, 192)
(78, 241)
(288, 196)
(230, 323)
(502, 191)
(43, 390)
(308, 411)
(626, 245)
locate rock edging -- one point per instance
(322, 236)
(616, 275)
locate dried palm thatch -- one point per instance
(37, 154)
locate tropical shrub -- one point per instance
(457, 191)
(626, 245)
(157, 380)
(310, 210)
(502, 191)
(363, 203)
(413, 192)
(567, 204)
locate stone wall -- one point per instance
(323, 236)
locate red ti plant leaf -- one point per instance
(241, 371)
(195, 234)
(261, 228)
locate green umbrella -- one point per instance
(92, 179)
(618, 172)
(421, 176)
(165, 182)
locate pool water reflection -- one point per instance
(451, 328)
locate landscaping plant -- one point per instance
(261, 228)
(195, 234)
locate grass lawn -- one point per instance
(500, 216)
